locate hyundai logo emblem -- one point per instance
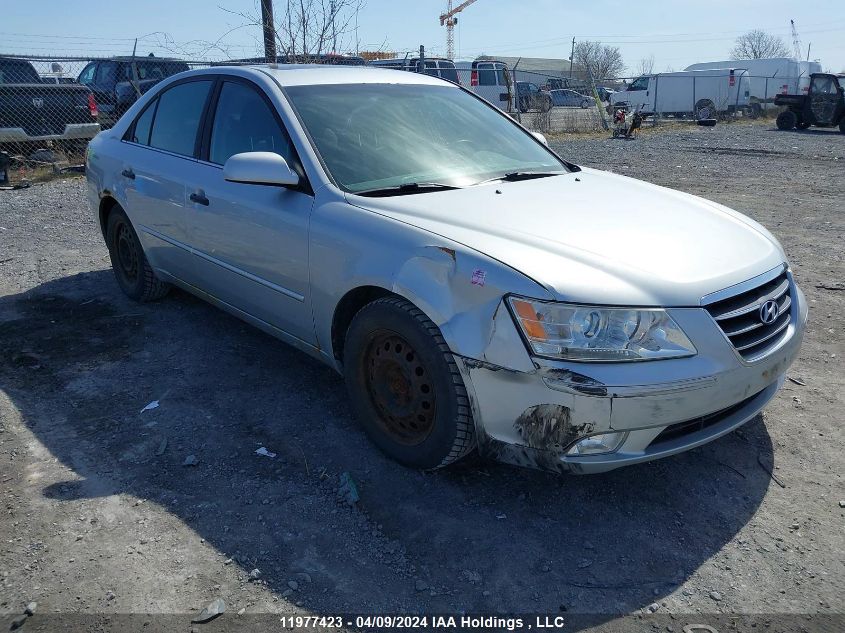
(769, 311)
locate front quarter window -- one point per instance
(387, 135)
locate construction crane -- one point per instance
(449, 20)
(796, 43)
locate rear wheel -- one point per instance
(133, 272)
(404, 385)
(786, 120)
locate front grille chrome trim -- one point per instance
(736, 311)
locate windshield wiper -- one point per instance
(515, 176)
(406, 189)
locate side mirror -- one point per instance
(541, 138)
(260, 168)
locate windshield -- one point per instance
(385, 135)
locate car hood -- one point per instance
(644, 245)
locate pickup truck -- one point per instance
(118, 82)
(32, 111)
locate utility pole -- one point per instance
(269, 31)
(571, 58)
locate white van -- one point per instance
(490, 80)
(434, 66)
(704, 93)
(770, 77)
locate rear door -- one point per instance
(159, 149)
(250, 241)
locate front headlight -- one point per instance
(595, 333)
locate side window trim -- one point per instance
(130, 131)
(208, 125)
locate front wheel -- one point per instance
(133, 272)
(404, 386)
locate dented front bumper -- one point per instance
(533, 418)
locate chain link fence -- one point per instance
(50, 107)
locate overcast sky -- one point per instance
(677, 34)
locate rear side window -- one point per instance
(448, 72)
(486, 76)
(87, 75)
(106, 74)
(178, 115)
(141, 131)
(244, 122)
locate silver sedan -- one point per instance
(438, 255)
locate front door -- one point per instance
(825, 99)
(250, 241)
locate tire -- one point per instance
(786, 120)
(705, 109)
(134, 275)
(842, 126)
(585, 104)
(404, 386)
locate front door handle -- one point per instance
(199, 198)
(128, 173)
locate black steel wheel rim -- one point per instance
(400, 388)
(127, 253)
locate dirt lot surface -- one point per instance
(100, 516)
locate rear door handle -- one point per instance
(128, 173)
(199, 198)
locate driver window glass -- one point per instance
(244, 122)
(639, 84)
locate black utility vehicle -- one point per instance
(822, 106)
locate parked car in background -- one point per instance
(32, 111)
(118, 82)
(570, 99)
(768, 78)
(529, 96)
(444, 264)
(705, 94)
(490, 80)
(434, 66)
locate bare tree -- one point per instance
(646, 65)
(305, 29)
(604, 62)
(758, 44)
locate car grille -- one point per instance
(739, 317)
(680, 429)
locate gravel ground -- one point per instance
(102, 517)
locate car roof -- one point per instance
(320, 74)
